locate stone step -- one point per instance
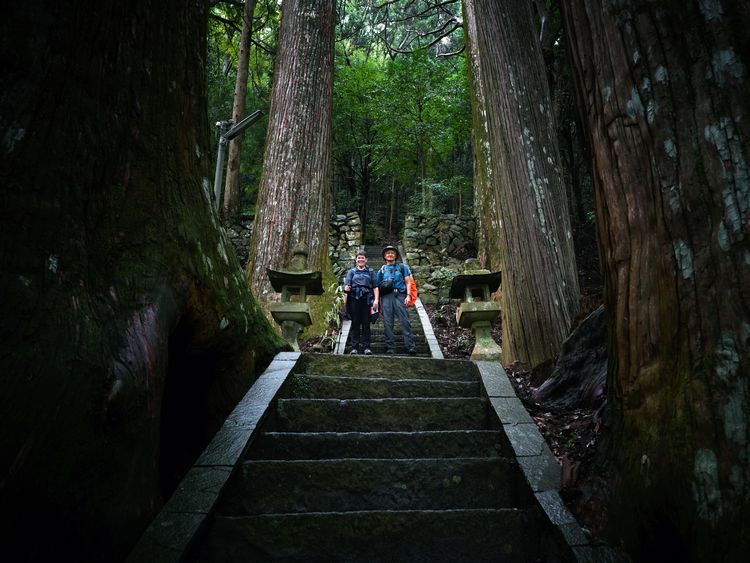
(364, 366)
(332, 387)
(344, 485)
(397, 337)
(379, 348)
(479, 535)
(379, 332)
(380, 445)
(377, 415)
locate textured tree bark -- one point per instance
(294, 197)
(233, 189)
(520, 195)
(120, 293)
(663, 89)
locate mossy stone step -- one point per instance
(386, 445)
(363, 366)
(479, 535)
(378, 330)
(378, 349)
(340, 485)
(376, 415)
(328, 386)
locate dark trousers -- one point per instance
(359, 310)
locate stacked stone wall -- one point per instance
(436, 247)
(239, 232)
(345, 237)
(438, 239)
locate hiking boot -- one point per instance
(412, 351)
(354, 351)
(368, 352)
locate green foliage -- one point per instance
(400, 124)
(444, 194)
(333, 315)
(221, 70)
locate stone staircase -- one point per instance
(377, 332)
(379, 459)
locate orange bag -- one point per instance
(412, 290)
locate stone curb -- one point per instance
(429, 334)
(170, 534)
(537, 462)
(343, 336)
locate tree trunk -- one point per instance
(663, 89)
(128, 332)
(364, 198)
(521, 202)
(392, 208)
(294, 198)
(233, 189)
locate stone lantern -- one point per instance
(478, 311)
(294, 283)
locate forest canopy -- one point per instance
(402, 114)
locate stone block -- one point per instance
(525, 439)
(510, 410)
(495, 380)
(542, 471)
(227, 445)
(573, 534)
(198, 490)
(554, 507)
(166, 539)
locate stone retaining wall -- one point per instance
(436, 247)
(239, 233)
(436, 239)
(345, 237)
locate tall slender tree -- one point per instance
(294, 199)
(520, 196)
(233, 188)
(663, 89)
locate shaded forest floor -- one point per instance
(573, 434)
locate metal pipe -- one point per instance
(227, 132)
(223, 127)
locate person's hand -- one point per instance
(406, 299)
(375, 307)
(347, 288)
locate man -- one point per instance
(392, 280)
(361, 285)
